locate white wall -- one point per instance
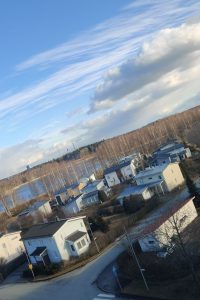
(149, 179)
(73, 207)
(162, 235)
(57, 247)
(61, 235)
(10, 246)
(173, 176)
(112, 179)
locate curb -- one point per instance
(73, 268)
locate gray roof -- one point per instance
(76, 236)
(132, 190)
(93, 193)
(41, 230)
(117, 167)
(151, 171)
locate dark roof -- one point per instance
(76, 236)
(38, 251)
(65, 188)
(41, 230)
(93, 193)
(117, 167)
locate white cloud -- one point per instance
(169, 51)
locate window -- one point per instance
(83, 242)
(81, 223)
(172, 171)
(29, 243)
(151, 242)
(4, 245)
(159, 177)
(72, 247)
(79, 245)
(175, 180)
(150, 178)
(41, 242)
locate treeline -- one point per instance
(94, 158)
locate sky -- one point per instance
(75, 72)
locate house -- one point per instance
(11, 246)
(166, 177)
(142, 191)
(170, 152)
(56, 241)
(121, 172)
(91, 198)
(39, 207)
(63, 194)
(156, 232)
(97, 185)
(73, 205)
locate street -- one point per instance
(76, 285)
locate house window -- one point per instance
(72, 247)
(175, 180)
(150, 178)
(29, 243)
(41, 242)
(79, 245)
(83, 242)
(151, 242)
(159, 177)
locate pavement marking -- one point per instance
(106, 295)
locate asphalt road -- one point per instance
(77, 285)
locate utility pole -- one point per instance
(135, 256)
(94, 238)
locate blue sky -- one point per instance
(79, 71)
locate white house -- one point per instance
(171, 152)
(158, 231)
(125, 170)
(135, 190)
(63, 194)
(11, 246)
(39, 207)
(91, 198)
(166, 176)
(56, 241)
(73, 205)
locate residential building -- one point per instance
(74, 205)
(166, 177)
(56, 241)
(121, 172)
(11, 246)
(91, 198)
(156, 233)
(63, 194)
(39, 207)
(142, 191)
(97, 185)
(170, 152)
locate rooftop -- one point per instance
(151, 171)
(90, 194)
(132, 190)
(158, 217)
(44, 229)
(76, 236)
(117, 167)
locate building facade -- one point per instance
(56, 241)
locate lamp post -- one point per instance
(136, 259)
